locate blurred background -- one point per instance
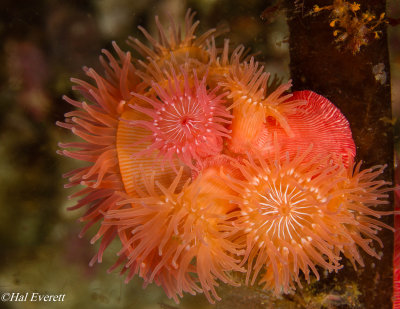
(43, 44)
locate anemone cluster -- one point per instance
(203, 168)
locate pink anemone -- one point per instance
(185, 120)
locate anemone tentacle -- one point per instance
(252, 104)
(179, 47)
(96, 123)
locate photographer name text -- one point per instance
(32, 297)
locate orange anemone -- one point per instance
(298, 215)
(180, 237)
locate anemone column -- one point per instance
(350, 66)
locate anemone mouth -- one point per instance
(180, 121)
(285, 208)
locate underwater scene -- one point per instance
(170, 154)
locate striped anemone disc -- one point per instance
(318, 123)
(134, 169)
